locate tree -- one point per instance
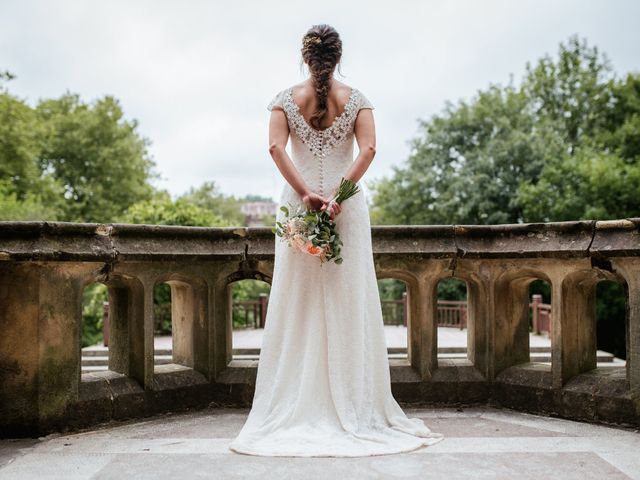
(6, 75)
(597, 173)
(69, 160)
(209, 197)
(29, 207)
(588, 184)
(561, 146)
(98, 157)
(572, 92)
(467, 165)
(19, 140)
(268, 219)
(162, 210)
(26, 192)
(620, 132)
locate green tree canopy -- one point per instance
(68, 160)
(209, 197)
(20, 145)
(162, 210)
(97, 155)
(563, 145)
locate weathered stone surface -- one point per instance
(616, 238)
(44, 267)
(557, 239)
(63, 241)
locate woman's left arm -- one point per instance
(365, 133)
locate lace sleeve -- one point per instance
(276, 102)
(364, 102)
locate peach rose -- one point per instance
(314, 250)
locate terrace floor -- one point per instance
(480, 443)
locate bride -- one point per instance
(323, 383)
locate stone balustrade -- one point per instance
(45, 266)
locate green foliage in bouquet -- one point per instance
(315, 230)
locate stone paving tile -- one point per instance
(560, 425)
(483, 427)
(56, 466)
(202, 425)
(524, 466)
(480, 442)
(11, 449)
(624, 461)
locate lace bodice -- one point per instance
(321, 156)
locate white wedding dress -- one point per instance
(323, 382)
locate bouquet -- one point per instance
(314, 232)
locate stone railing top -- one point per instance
(64, 241)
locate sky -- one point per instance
(198, 75)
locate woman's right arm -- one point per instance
(365, 134)
(278, 137)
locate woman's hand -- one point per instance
(333, 208)
(314, 201)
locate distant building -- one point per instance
(254, 211)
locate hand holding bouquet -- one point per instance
(314, 232)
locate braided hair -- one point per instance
(321, 50)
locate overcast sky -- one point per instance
(198, 75)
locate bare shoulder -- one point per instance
(304, 91)
(343, 91)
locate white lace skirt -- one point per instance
(323, 383)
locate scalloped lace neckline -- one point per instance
(336, 120)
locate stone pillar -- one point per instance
(220, 324)
(182, 322)
(478, 306)
(633, 332)
(189, 326)
(19, 308)
(574, 326)
(422, 325)
(126, 314)
(40, 321)
(559, 351)
(144, 351)
(511, 327)
(629, 268)
(59, 323)
(201, 328)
